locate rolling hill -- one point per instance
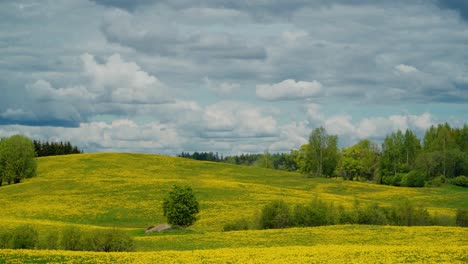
(113, 190)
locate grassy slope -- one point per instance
(126, 190)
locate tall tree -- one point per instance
(322, 154)
(412, 147)
(393, 153)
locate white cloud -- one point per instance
(293, 37)
(123, 82)
(230, 119)
(288, 90)
(405, 69)
(376, 128)
(314, 113)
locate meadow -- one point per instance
(125, 191)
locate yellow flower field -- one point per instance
(125, 191)
(315, 254)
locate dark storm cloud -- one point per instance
(461, 6)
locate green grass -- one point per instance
(126, 191)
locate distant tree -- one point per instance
(393, 153)
(17, 159)
(266, 160)
(180, 206)
(322, 155)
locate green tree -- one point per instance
(360, 160)
(180, 206)
(393, 154)
(322, 153)
(266, 160)
(17, 159)
(412, 146)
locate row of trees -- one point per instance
(402, 159)
(46, 148)
(279, 161)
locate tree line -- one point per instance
(46, 148)
(402, 159)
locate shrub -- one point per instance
(180, 206)
(413, 179)
(462, 218)
(275, 215)
(6, 239)
(240, 224)
(71, 239)
(437, 181)
(460, 181)
(110, 240)
(344, 216)
(316, 213)
(406, 213)
(51, 241)
(393, 180)
(372, 214)
(24, 237)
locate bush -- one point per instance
(407, 214)
(413, 179)
(393, 180)
(24, 237)
(51, 241)
(180, 206)
(5, 239)
(71, 239)
(372, 214)
(275, 215)
(462, 218)
(240, 224)
(437, 181)
(110, 240)
(316, 213)
(460, 181)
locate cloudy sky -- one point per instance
(238, 76)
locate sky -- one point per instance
(232, 77)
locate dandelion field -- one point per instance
(125, 191)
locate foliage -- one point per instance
(72, 239)
(24, 237)
(239, 224)
(462, 218)
(108, 240)
(322, 154)
(413, 178)
(16, 159)
(316, 213)
(276, 214)
(359, 161)
(46, 148)
(460, 181)
(180, 206)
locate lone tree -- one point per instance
(16, 159)
(180, 206)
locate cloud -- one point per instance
(123, 82)
(115, 87)
(376, 128)
(237, 120)
(405, 69)
(288, 90)
(223, 89)
(156, 35)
